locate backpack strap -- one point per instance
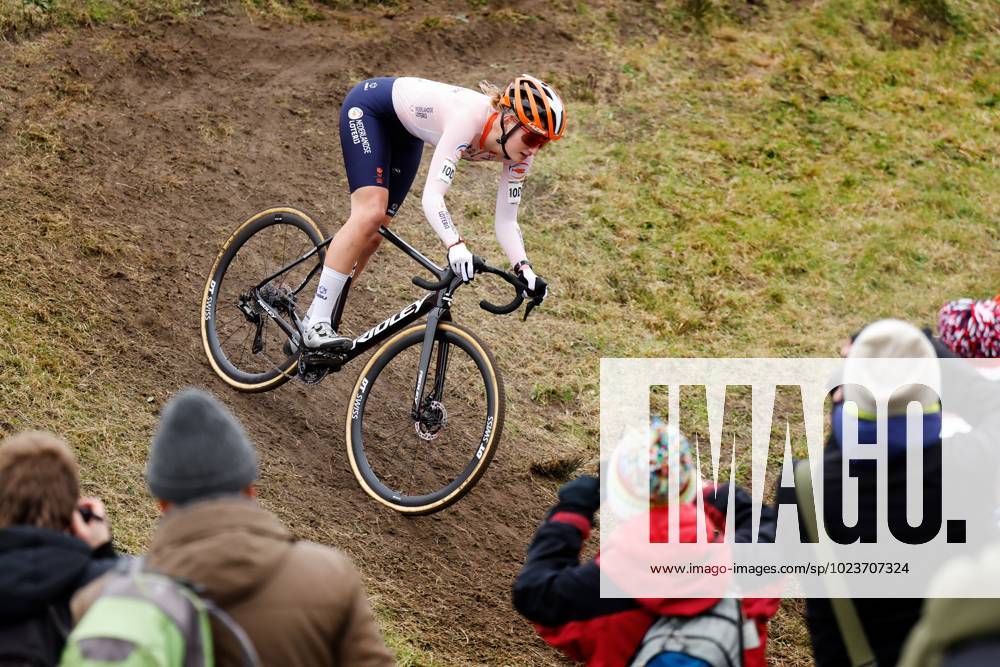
(128, 565)
(851, 631)
(247, 651)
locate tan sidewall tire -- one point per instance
(287, 373)
(497, 410)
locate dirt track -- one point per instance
(158, 141)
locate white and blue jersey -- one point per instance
(384, 124)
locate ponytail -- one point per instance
(492, 92)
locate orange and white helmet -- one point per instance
(537, 105)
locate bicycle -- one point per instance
(251, 331)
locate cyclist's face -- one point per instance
(524, 143)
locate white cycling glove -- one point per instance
(537, 288)
(460, 260)
(529, 276)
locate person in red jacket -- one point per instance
(562, 596)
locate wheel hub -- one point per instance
(433, 418)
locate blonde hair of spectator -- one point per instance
(39, 481)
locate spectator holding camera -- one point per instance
(52, 543)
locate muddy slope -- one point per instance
(153, 143)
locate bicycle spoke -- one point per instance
(235, 332)
(243, 350)
(235, 318)
(284, 244)
(397, 432)
(231, 320)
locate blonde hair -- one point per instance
(492, 92)
(39, 481)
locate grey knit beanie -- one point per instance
(199, 450)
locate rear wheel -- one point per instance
(245, 347)
(419, 464)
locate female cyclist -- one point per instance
(384, 124)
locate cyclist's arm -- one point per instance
(442, 171)
(508, 200)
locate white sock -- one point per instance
(331, 284)
(307, 318)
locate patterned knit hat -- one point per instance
(659, 465)
(971, 328)
(644, 460)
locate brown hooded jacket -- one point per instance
(301, 604)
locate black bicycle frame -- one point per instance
(436, 309)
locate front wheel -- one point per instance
(421, 463)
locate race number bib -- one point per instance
(447, 171)
(514, 192)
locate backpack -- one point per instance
(36, 641)
(713, 638)
(146, 619)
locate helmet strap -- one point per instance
(505, 135)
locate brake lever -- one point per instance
(531, 306)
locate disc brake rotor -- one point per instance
(433, 418)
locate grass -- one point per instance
(23, 18)
(58, 381)
(403, 648)
(771, 195)
(20, 18)
(732, 186)
(775, 200)
(766, 189)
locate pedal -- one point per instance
(314, 359)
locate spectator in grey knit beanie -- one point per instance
(199, 451)
(299, 603)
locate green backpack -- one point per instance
(146, 619)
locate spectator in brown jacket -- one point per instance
(300, 603)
